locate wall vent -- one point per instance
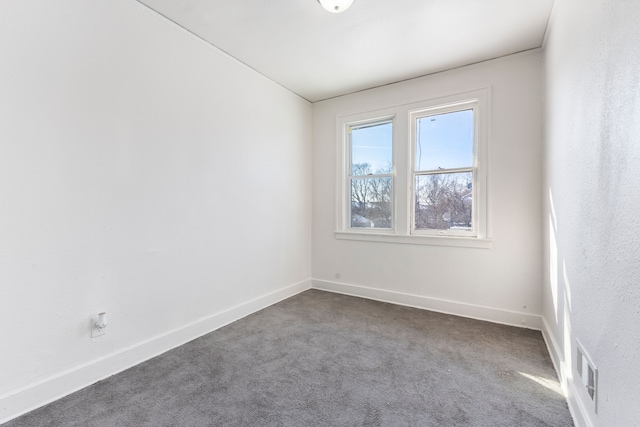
(588, 374)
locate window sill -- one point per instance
(461, 242)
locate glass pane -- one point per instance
(444, 201)
(371, 202)
(444, 141)
(371, 149)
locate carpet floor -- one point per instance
(324, 359)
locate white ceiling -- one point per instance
(320, 55)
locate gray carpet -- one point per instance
(323, 359)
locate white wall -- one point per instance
(142, 172)
(500, 284)
(592, 231)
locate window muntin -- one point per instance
(444, 168)
(370, 174)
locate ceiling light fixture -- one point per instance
(336, 6)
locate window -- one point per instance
(444, 166)
(370, 177)
(416, 173)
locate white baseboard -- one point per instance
(576, 407)
(495, 315)
(19, 402)
(556, 354)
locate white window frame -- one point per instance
(401, 230)
(349, 164)
(345, 123)
(414, 116)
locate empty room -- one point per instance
(320, 213)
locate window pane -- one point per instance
(445, 141)
(371, 202)
(443, 201)
(371, 149)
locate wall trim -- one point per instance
(553, 348)
(35, 395)
(577, 409)
(473, 311)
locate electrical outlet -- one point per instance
(99, 326)
(95, 332)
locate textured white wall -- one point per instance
(592, 226)
(142, 172)
(505, 277)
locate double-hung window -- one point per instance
(370, 174)
(416, 173)
(443, 142)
